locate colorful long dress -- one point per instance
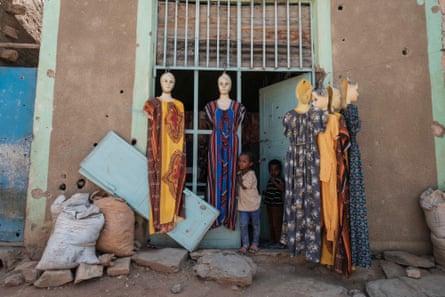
(301, 219)
(342, 258)
(166, 162)
(361, 255)
(223, 154)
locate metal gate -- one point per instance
(235, 35)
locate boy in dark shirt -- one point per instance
(273, 198)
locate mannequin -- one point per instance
(342, 245)
(328, 176)
(301, 219)
(360, 251)
(224, 116)
(165, 156)
(303, 93)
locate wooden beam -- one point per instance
(19, 45)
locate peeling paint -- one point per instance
(421, 2)
(14, 164)
(51, 73)
(438, 129)
(435, 9)
(39, 193)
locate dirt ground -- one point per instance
(274, 278)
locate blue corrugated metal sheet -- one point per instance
(17, 95)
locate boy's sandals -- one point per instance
(253, 249)
(243, 250)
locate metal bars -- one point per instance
(235, 35)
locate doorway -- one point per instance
(196, 88)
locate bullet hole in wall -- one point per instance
(81, 183)
(95, 144)
(62, 187)
(343, 39)
(340, 7)
(405, 52)
(121, 91)
(63, 175)
(107, 116)
(133, 141)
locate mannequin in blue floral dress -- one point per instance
(361, 255)
(301, 219)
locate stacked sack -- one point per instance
(433, 205)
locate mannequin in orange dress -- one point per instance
(165, 157)
(328, 178)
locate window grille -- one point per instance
(241, 35)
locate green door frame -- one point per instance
(433, 18)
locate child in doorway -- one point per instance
(249, 202)
(273, 198)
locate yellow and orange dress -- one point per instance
(166, 162)
(328, 179)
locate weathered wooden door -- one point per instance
(275, 101)
(17, 95)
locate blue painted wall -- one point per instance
(17, 94)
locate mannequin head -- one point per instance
(336, 100)
(167, 81)
(224, 84)
(320, 98)
(349, 92)
(303, 91)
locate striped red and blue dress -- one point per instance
(223, 154)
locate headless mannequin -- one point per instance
(224, 86)
(303, 92)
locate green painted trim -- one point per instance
(42, 125)
(434, 34)
(143, 69)
(323, 37)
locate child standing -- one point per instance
(273, 198)
(249, 201)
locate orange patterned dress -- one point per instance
(166, 162)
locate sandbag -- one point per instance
(433, 205)
(438, 249)
(117, 235)
(73, 239)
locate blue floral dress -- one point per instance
(361, 255)
(301, 218)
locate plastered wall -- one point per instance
(383, 45)
(92, 94)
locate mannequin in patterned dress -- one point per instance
(360, 250)
(165, 157)
(224, 116)
(301, 219)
